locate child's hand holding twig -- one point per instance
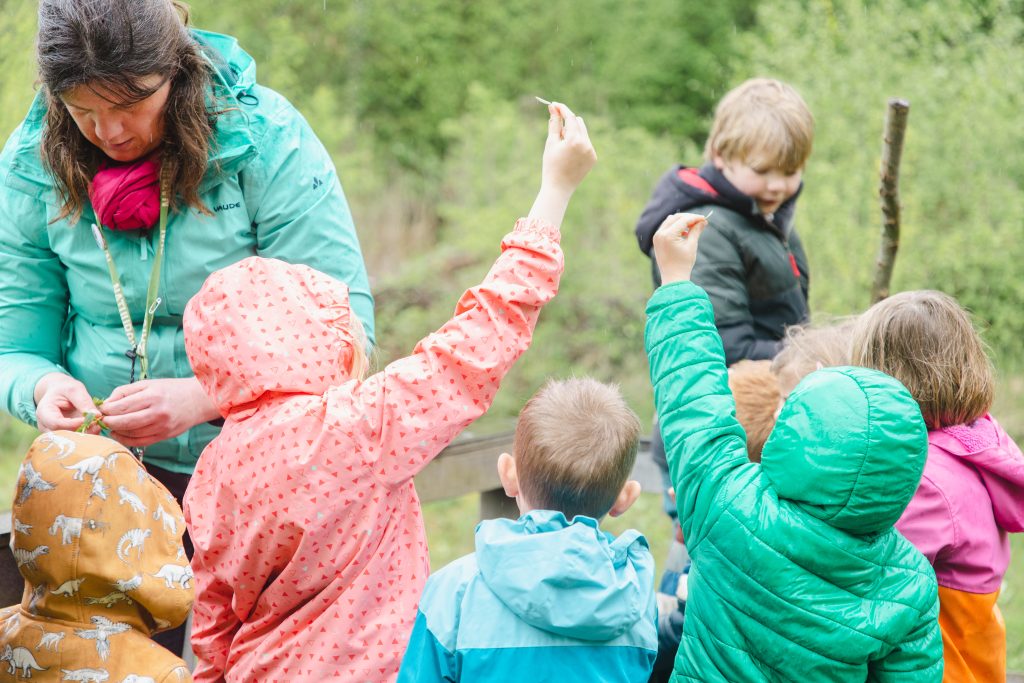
(675, 245)
(568, 157)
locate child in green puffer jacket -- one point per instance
(797, 571)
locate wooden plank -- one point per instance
(466, 466)
(470, 466)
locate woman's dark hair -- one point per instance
(117, 44)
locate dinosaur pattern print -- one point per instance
(175, 576)
(83, 510)
(20, 661)
(125, 585)
(50, 641)
(33, 482)
(69, 587)
(126, 496)
(310, 550)
(132, 540)
(88, 467)
(85, 675)
(27, 558)
(63, 446)
(169, 521)
(69, 527)
(99, 489)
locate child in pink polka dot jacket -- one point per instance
(310, 554)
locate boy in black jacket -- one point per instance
(751, 262)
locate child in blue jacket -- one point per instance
(549, 597)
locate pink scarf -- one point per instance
(127, 196)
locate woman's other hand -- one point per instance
(568, 157)
(154, 410)
(62, 403)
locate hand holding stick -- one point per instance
(675, 245)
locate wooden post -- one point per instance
(495, 503)
(889, 191)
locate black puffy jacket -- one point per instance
(753, 269)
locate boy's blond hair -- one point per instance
(575, 445)
(763, 123)
(807, 348)
(758, 397)
(927, 341)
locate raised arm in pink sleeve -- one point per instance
(412, 409)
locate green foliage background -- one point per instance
(427, 107)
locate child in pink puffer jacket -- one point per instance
(310, 553)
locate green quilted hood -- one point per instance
(849, 448)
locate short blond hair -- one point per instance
(763, 123)
(806, 348)
(927, 341)
(575, 446)
(756, 390)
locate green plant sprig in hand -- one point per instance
(93, 418)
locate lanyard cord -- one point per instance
(138, 348)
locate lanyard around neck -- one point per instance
(138, 348)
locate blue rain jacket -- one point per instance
(542, 599)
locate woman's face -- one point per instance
(124, 132)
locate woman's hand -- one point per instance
(568, 157)
(62, 402)
(675, 245)
(154, 410)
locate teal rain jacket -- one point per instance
(798, 574)
(273, 191)
(542, 599)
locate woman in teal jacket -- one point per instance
(797, 574)
(127, 86)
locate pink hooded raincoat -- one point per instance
(310, 549)
(970, 497)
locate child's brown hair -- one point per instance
(763, 123)
(575, 445)
(758, 397)
(807, 348)
(927, 341)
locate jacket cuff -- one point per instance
(538, 226)
(21, 380)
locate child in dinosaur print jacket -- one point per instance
(98, 542)
(310, 553)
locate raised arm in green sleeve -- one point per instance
(703, 441)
